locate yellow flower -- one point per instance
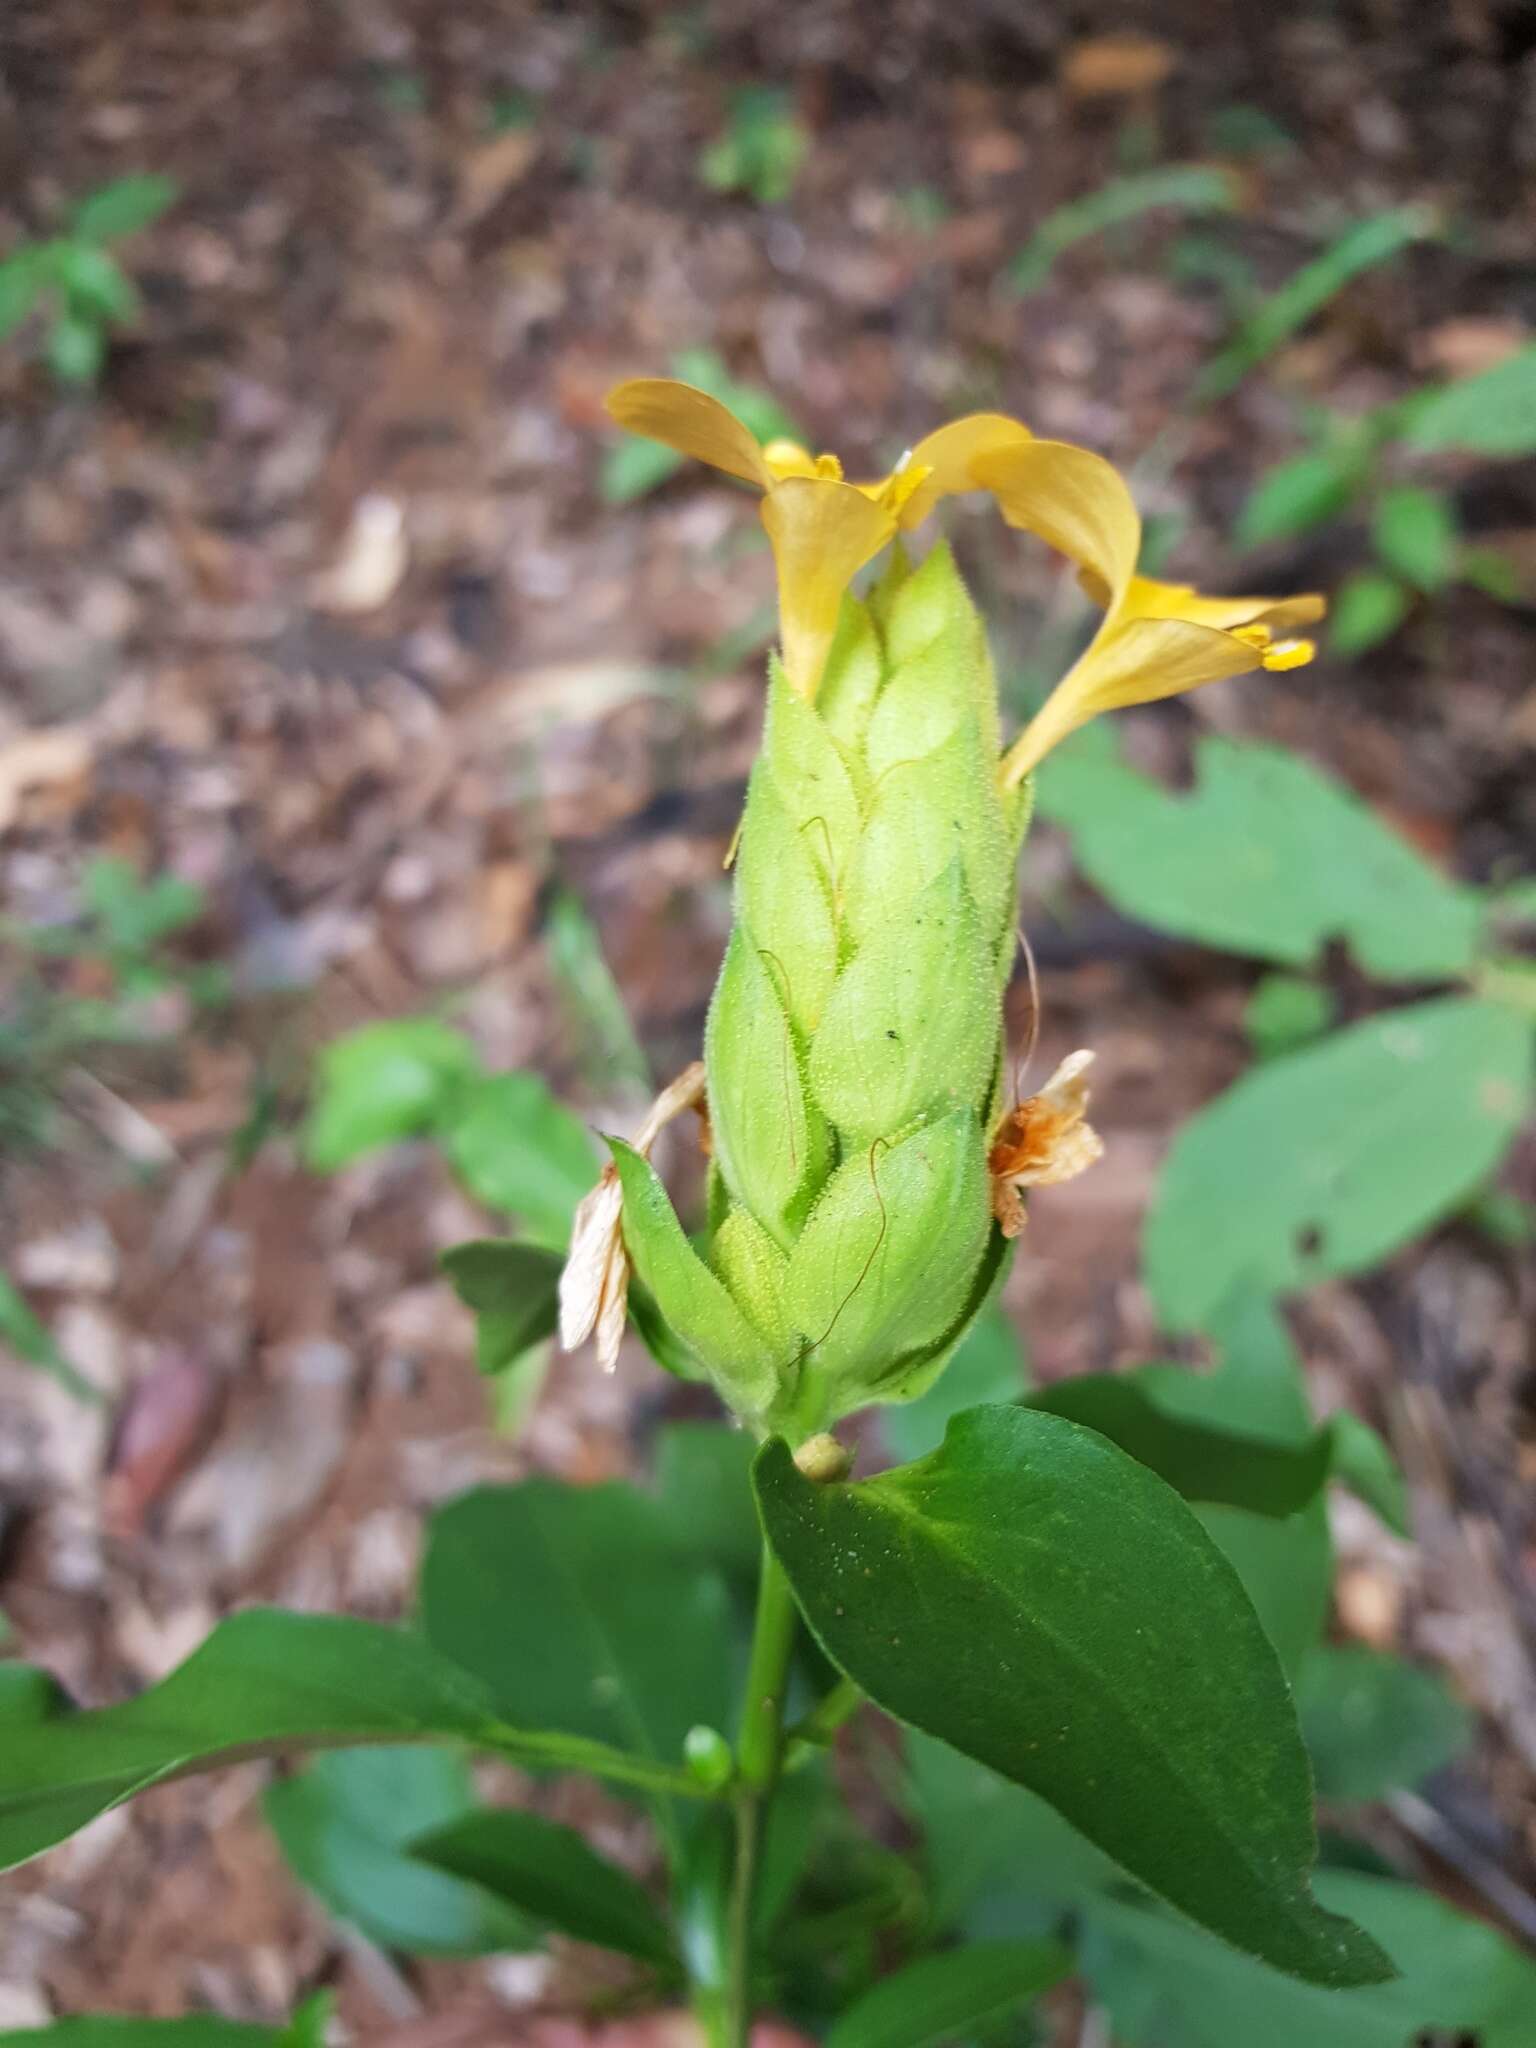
(1156, 639)
(823, 530)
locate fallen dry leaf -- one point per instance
(1112, 67)
(41, 760)
(372, 560)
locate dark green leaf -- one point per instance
(1164, 1983)
(951, 1996)
(1325, 1161)
(704, 1490)
(1415, 535)
(33, 1345)
(124, 207)
(1179, 188)
(345, 1824)
(1298, 495)
(575, 1606)
(990, 1365)
(1493, 413)
(550, 1875)
(263, 1681)
(516, 1148)
(1374, 1723)
(999, 1861)
(1265, 855)
(383, 1083)
(1054, 1610)
(1305, 293)
(1286, 1566)
(514, 1292)
(1368, 607)
(1221, 1466)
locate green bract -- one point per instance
(854, 1040)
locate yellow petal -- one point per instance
(948, 455)
(1134, 663)
(1076, 502)
(822, 533)
(689, 420)
(788, 458)
(1147, 599)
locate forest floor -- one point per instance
(320, 606)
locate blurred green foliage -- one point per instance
(69, 289)
(762, 149)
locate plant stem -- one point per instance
(810, 1736)
(759, 1754)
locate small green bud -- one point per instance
(707, 1755)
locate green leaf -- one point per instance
(1416, 535)
(124, 207)
(1296, 496)
(95, 285)
(516, 1148)
(24, 277)
(998, 1860)
(1363, 1463)
(1038, 1599)
(1179, 188)
(263, 1681)
(1368, 607)
(1493, 413)
(951, 1996)
(108, 2031)
(514, 1292)
(990, 1365)
(1286, 1011)
(345, 1824)
(33, 1344)
(1165, 1983)
(697, 1308)
(1266, 856)
(577, 1609)
(135, 914)
(1374, 1723)
(1304, 294)
(1286, 1566)
(549, 1874)
(1323, 1162)
(704, 1491)
(1221, 1466)
(76, 348)
(574, 950)
(381, 1084)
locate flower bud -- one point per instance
(854, 1042)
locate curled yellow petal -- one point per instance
(1265, 616)
(788, 458)
(949, 455)
(1134, 663)
(689, 420)
(822, 533)
(1076, 502)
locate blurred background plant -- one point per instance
(334, 598)
(69, 290)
